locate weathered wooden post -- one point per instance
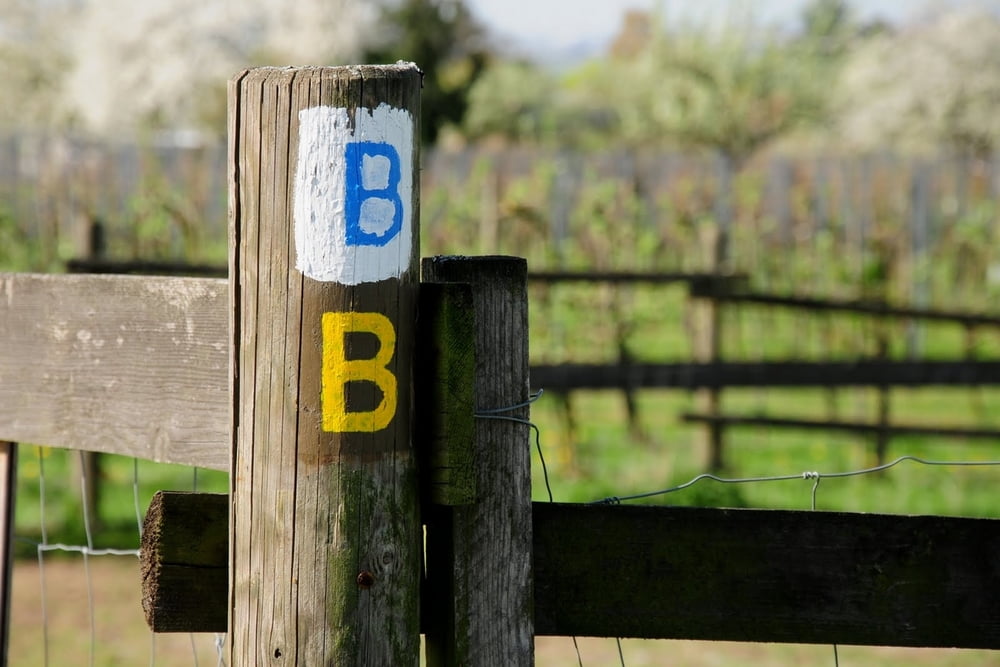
(479, 553)
(325, 534)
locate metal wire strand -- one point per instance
(616, 500)
(498, 413)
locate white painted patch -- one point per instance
(60, 331)
(353, 188)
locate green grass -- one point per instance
(598, 454)
(602, 458)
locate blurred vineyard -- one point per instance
(906, 229)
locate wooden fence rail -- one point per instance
(688, 573)
(866, 428)
(117, 364)
(139, 365)
(723, 294)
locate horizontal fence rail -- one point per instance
(700, 282)
(868, 428)
(718, 293)
(139, 365)
(690, 573)
(117, 364)
(146, 268)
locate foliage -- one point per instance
(117, 66)
(830, 29)
(445, 41)
(732, 89)
(933, 84)
(17, 250)
(33, 61)
(511, 100)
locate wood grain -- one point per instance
(767, 576)
(118, 364)
(479, 590)
(183, 557)
(313, 510)
(755, 575)
(445, 402)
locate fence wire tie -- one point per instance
(499, 413)
(813, 475)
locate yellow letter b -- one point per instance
(338, 370)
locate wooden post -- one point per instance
(478, 594)
(8, 492)
(325, 532)
(706, 318)
(883, 399)
(183, 560)
(707, 315)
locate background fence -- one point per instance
(907, 228)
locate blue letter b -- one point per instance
(373, 206)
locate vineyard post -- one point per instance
(324, 531)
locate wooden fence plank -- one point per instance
(118, 364)
(766, 575)
(719, 291)
(700, 281)
(737, 575)
(146, 268)
(138, 366)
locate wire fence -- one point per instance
(82, 612)
(52, 554)
(814, 477)
(923, 230)
(860, 227)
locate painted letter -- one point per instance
(353, 194)
(338, 370)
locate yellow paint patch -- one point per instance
(338, 370)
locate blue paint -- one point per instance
(373, 207)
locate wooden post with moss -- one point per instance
(325, 531)
(479, 603)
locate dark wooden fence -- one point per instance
(710, 373)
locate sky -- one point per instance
(564, 30)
